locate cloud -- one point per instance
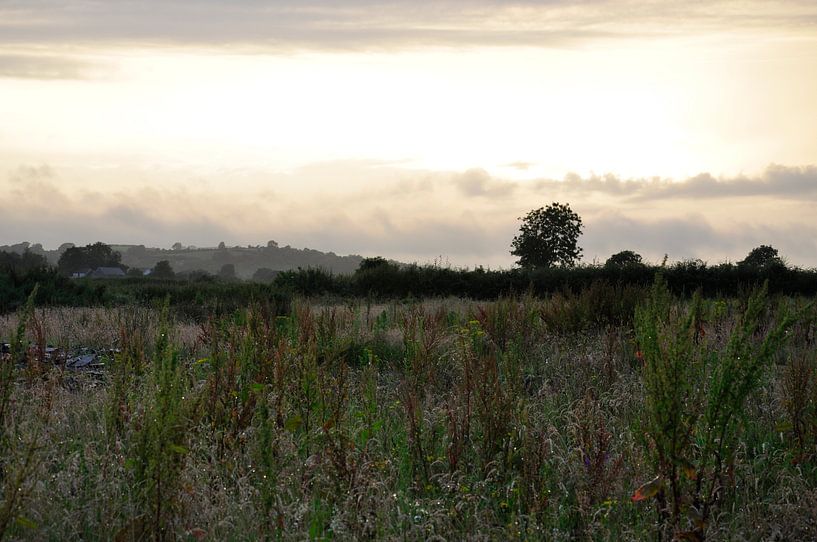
(795, 183)
(375, 24)
(35, 206)
(34, 187)
(778, 181)
(477, 182)
(33, 66)
(520, 165)
(283, 25)
(27, 173)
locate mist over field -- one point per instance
(466, 219)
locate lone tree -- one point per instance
(625, 258)
(548, 237)
(762, 257)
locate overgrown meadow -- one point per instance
(614, 413)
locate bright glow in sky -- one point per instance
(411, 132)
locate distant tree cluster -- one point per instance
(246, 260)
(20, 273)
(548, 237)
(92, 256)
(12, 262)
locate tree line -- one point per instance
(546, 247)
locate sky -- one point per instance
(420, 131)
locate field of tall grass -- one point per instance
(600, 415)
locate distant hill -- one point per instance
(247, 260)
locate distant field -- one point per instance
(520, 418)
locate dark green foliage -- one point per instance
(548, 237)
(374, 276)
(696, 390)
(269, 464)
(264, 274)
(162, 270)
(20, 264)
(88, 257)
(309, 281)
(389, 281)
(196, 295)
(21, 445)
(373, 263)
(597, 306)
(195, 275)
(625, 258)
(763, 257)
(157, 440)
(16, 356)
(126, 368)
(197, 299)
(19, 277)
(799, 384)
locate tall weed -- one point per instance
(695, 393)
(158, 443)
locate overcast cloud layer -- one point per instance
(32, 31)
(330, 24)
(356, 126)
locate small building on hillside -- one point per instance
(81, 273)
